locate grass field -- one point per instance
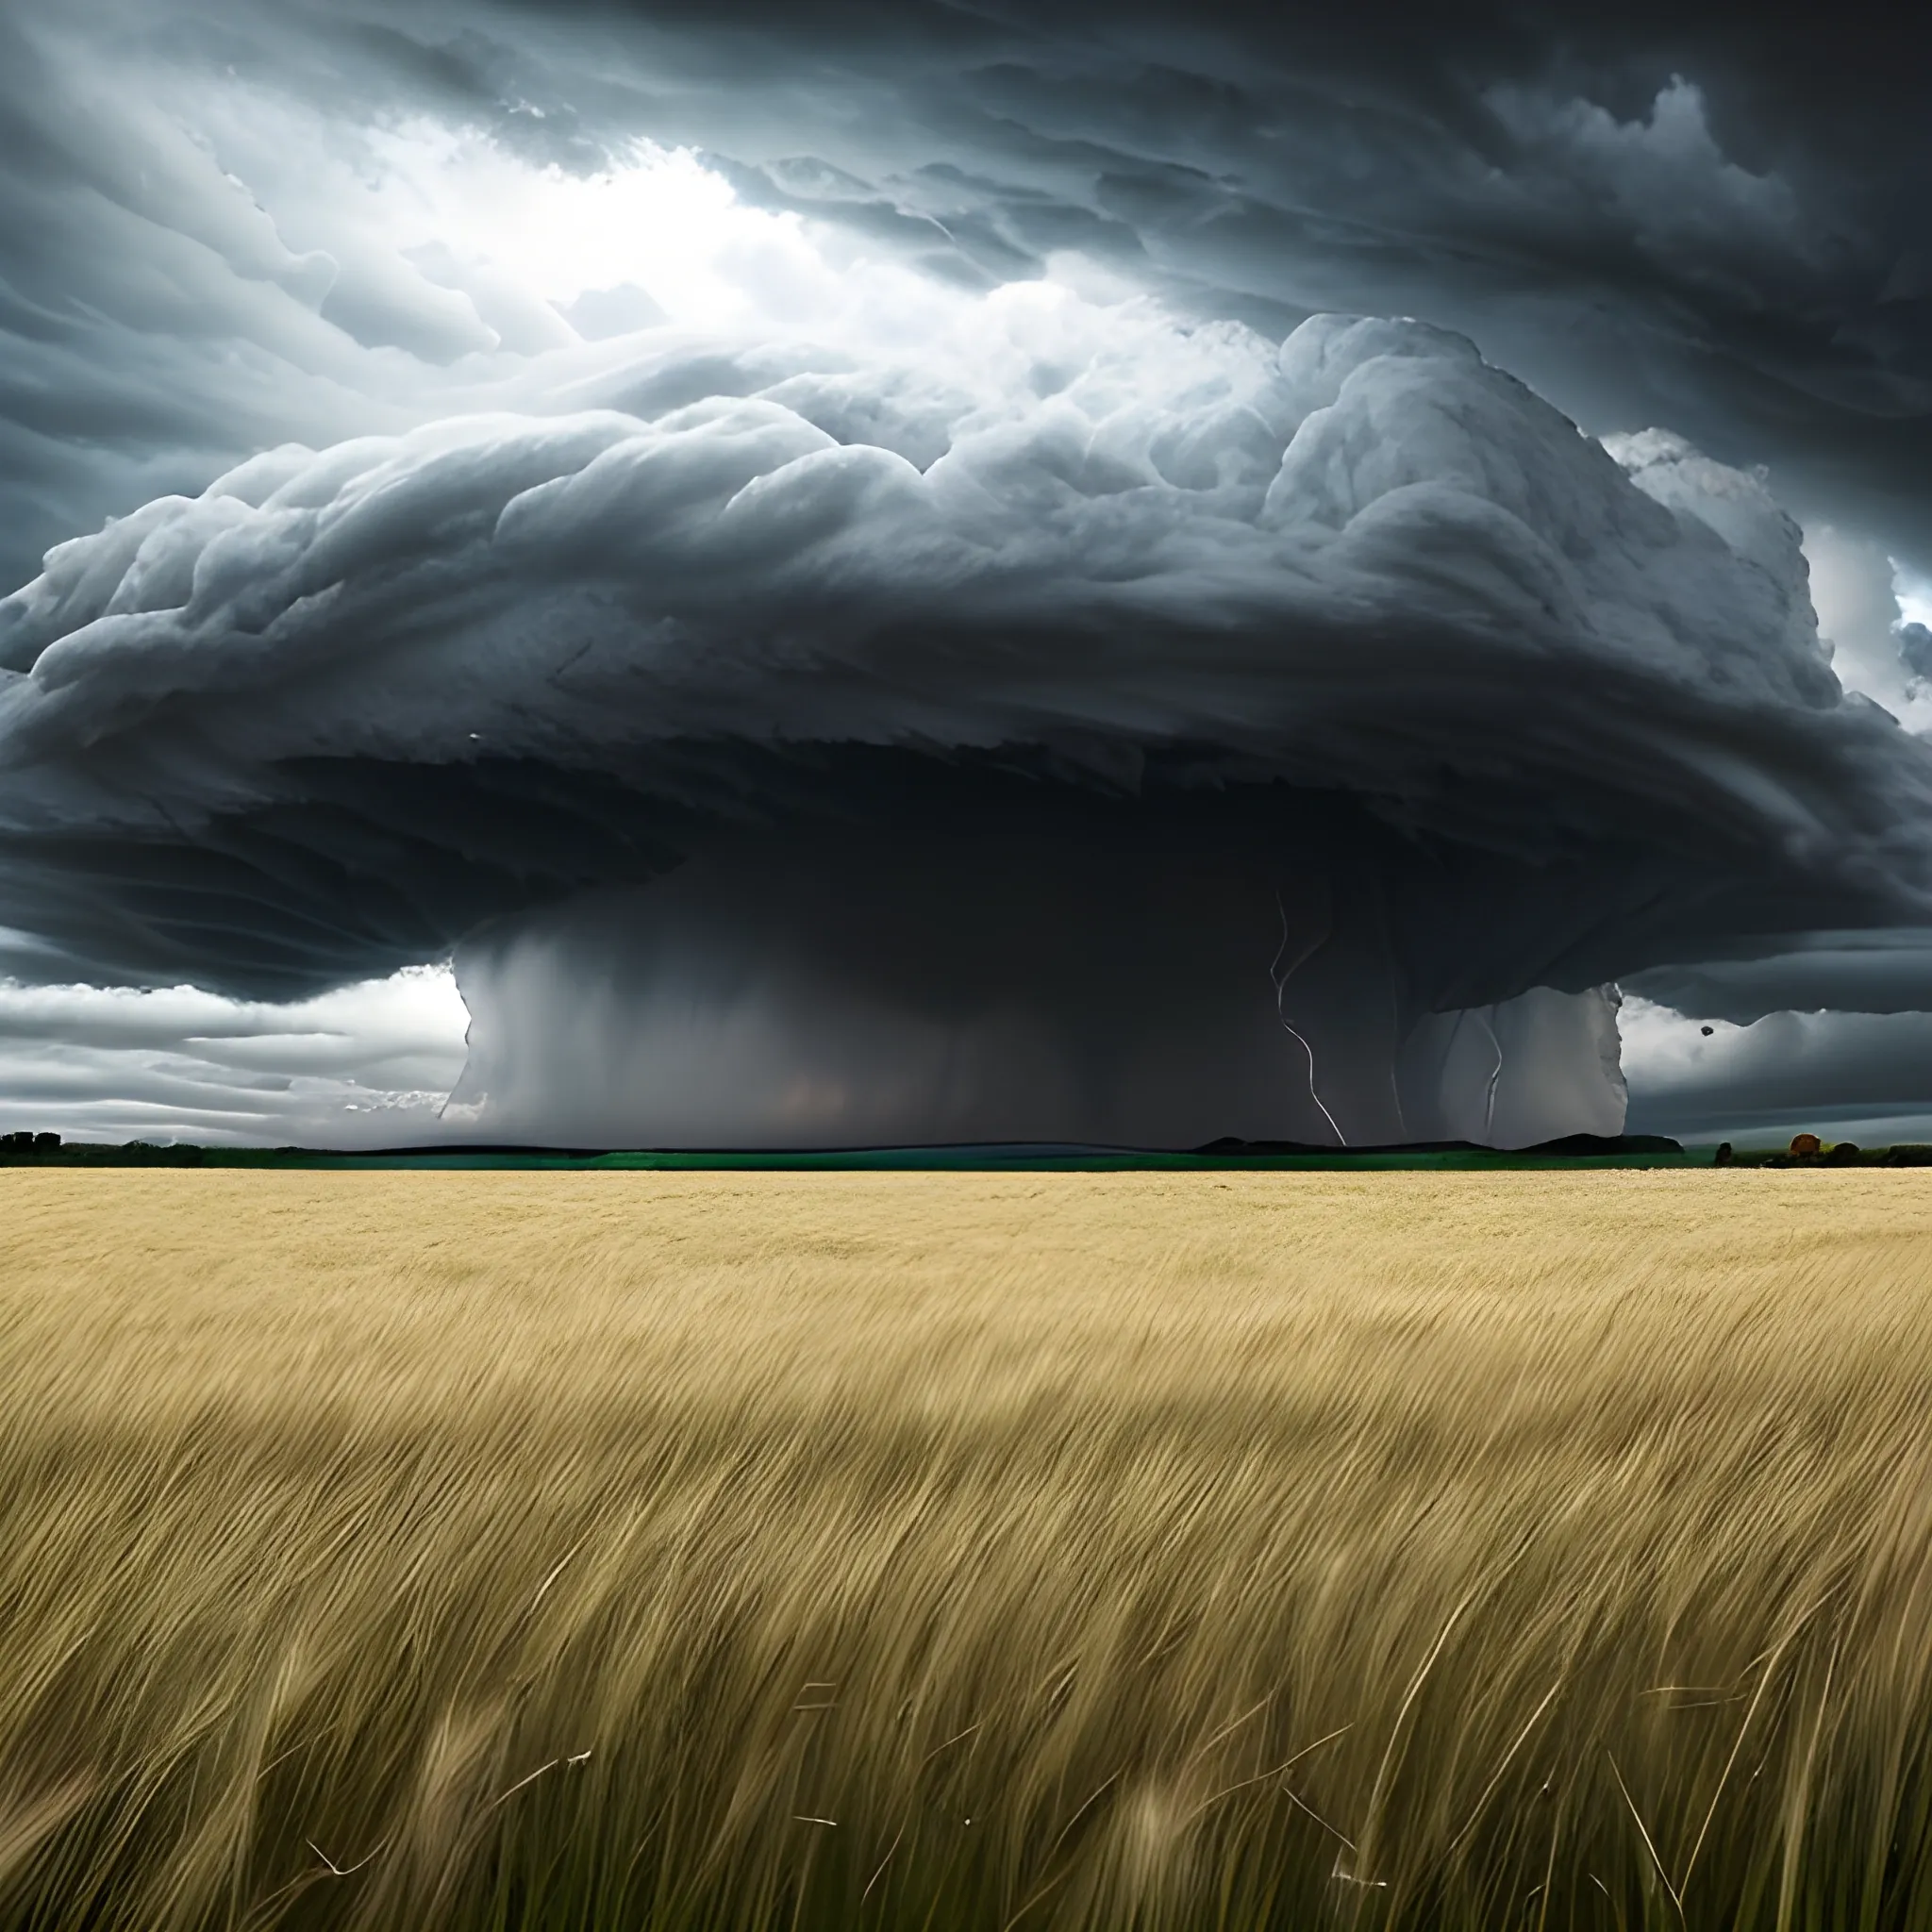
(414, 1552)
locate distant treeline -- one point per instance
(50, 1150)
(1806, 1150)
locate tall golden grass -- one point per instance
(417, 1552)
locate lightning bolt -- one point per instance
(1280, 979)
(1495, 1074)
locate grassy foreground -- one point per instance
(414, 1552)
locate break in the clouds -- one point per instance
(368, 1066)
(1856, 1075)
(838, 569)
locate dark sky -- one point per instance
(1719, 225)
(226, 229)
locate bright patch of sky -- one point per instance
(420, 212)
(1863, 596)
(1914, 595)
(368, 1065)
(667, 226)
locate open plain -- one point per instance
(527, 1550)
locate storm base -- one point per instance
(868, 992)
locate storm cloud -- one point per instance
(1650, 217)
(545, 452)
(1569, 714)
(1365, 564)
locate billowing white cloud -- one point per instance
(1859, 592)
(229, 227)
(1914, 595)
(205, 260)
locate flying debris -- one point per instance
(1106, 730)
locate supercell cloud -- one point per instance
(828, 682)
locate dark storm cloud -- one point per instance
(558, 585)
(321, 720)
(1877, 972)
(1652, 216)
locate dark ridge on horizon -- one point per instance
(1227, 1146)
(19, 1152)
